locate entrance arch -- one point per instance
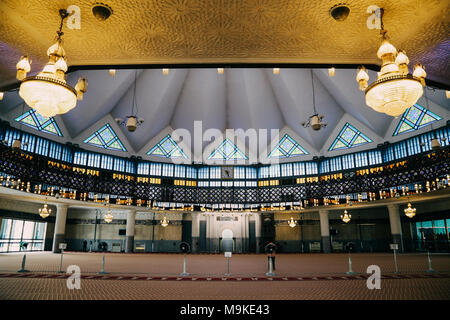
(227, 241)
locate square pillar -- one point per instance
(325, 230)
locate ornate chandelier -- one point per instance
(410, 211)
(346, 217)
(395, 90)
(47, 92)
(45, 211)
(164, 222)
(108, 216)
(292, 223)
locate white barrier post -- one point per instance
(270, 273)
(103, 266)
(61, 261)
(430, 268)
(350, 265)
(185, 273)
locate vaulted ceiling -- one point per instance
(240, 98)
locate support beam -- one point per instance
(60, 227)
(396, 225)
(325, 230)
(129, 244)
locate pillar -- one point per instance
(258, 227)
(396, 225)
(60, 227)
(129, 243)
(195, 231)
(325, 231)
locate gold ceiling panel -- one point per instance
(194, 31)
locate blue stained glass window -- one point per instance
(36, 121)
(414, 118)
(349, 137)
(227, 151)
(167, 148)
(287, 147)
(105, 137)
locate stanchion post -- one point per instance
(185, 273)
(270, 272)
(395, 260)
(61, 261)
(103, 266)
(24, 259)
(430, 267)
(350, 265)
(228, 256)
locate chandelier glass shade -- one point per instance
(394, 90)
(108, 217)
(410, 211)
(164, 222)
(47, 92)
(346, 217)
(44, 212)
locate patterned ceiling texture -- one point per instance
(224, 31)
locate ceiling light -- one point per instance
(340, 11)
(346, 217)
(132, 121)
(276, 70)
(164, 222)
(108, 216)
(45, 211)
(220, 70)
(410, 212)
(395, 90)
(331, 71)
(101, 11)
(48, 93)
(315, 121)
(292, 223)
(165, 72)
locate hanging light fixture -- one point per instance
(292, 223)
(108, 216)
(132, 121)
(45, 211)
(346, 217)
(410, 211)
(47, 92)
(395, 90)
(164, 222)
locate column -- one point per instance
(325, 231)
(195, 231)
(396, 225)
(258, 227)
(129, 243)
(209, 232)
(60, 227)
(247, 239)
